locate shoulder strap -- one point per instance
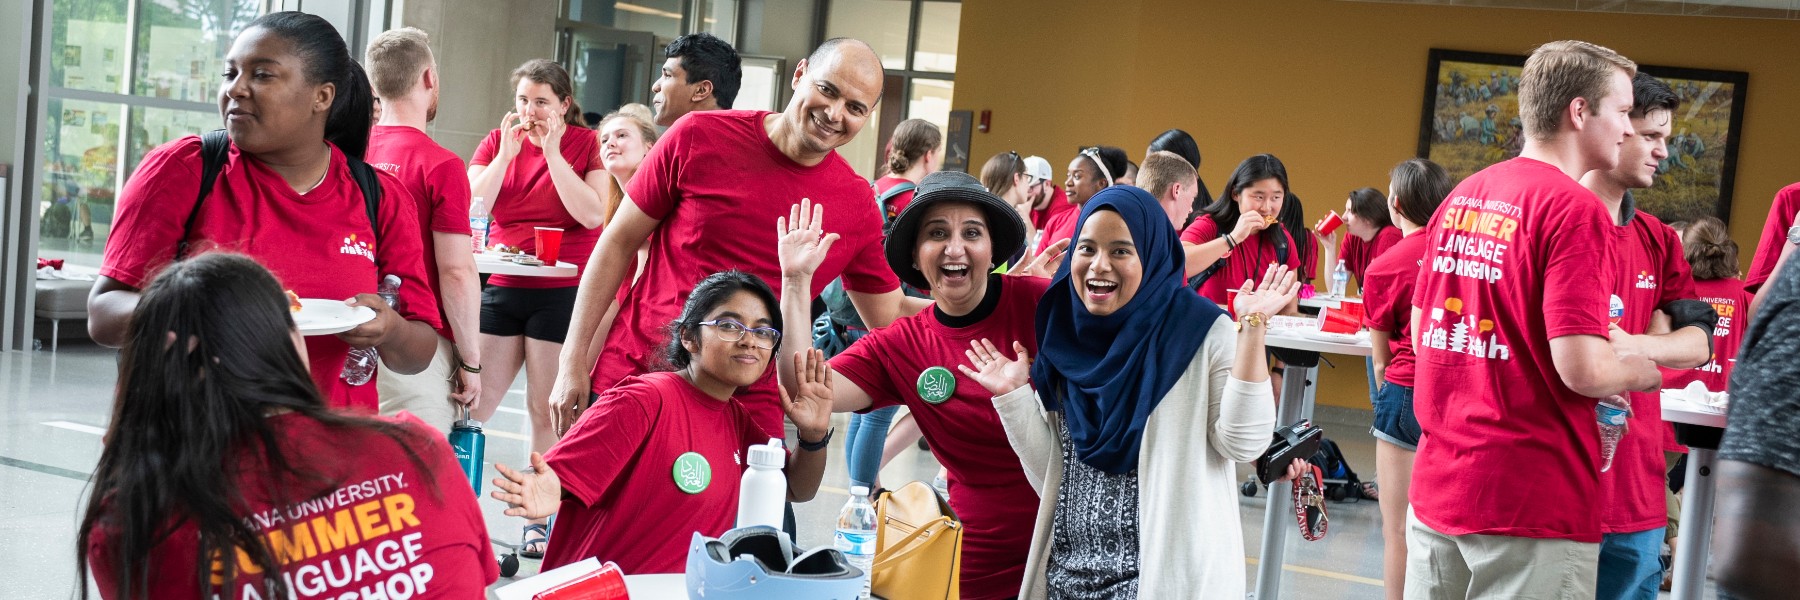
(215, 148)
(881, 201)
(370, 182)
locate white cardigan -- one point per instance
(1190, 544)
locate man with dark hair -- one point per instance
(1652, 290)
(699, 72)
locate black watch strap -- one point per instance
(819, 445)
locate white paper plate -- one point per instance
(324, 317)
(1335, 338)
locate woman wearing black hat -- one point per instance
(947, 240)
(1136, 422)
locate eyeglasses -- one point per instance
(1093, 153)
(732, 331)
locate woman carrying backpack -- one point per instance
(297, 110)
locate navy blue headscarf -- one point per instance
(1107, 374)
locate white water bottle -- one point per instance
(762, 494)
(856, 534)
(1610, 415)
(478, 222)
(359, 366)
(1340, 280)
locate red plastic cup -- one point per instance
(1329, 223)
(549, 244)
(1346, 319)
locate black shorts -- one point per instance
(539, 314)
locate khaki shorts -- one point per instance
(425, 394)
(1442, 567)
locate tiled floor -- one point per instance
(54, 406)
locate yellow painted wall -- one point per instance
(1332, 87)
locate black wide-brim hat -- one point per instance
(1005, 229)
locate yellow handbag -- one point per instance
(918, 545)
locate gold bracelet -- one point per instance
(1253, 320)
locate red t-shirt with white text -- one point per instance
(439, 184)
(1358, 254)
(1511, 263)
(1774, 236)
(988, 489)
(1387, 289)
(1651, 273)
(717, 184)
(318, 244)
(620, 464)
(383, 528)
(1729, 299)
(1249, 260)
(528, 200)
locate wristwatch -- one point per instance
(818, 445)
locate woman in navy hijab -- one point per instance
(1146, 395)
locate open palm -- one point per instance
(1277, 290)
(801, 239)
(810, 407)
(533, 494)
(993, 370)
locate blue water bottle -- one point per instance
(470, 445)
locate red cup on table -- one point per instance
(1329, 223)
(549, 244)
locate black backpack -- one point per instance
(215, 147)
(830, 330)
(1340, 481)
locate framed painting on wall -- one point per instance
(1471, 120)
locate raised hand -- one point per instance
(1248, 225)
(512, 136)
(531, 494)
(1043, 264)
(810, 409)
(1277, 291)
(801, 240)
(553, 130)
(993, 370)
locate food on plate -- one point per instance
(293, 301)
(504, 249)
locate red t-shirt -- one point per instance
(1730, 300)
(1249, 260)
(1651, 273)
(1511, 263)
(528, 200)
(619, 462)
(1387, 301)
(1059, 204)
(899, 201)
(1058, 227)
(439, 184)
(319, 245)
(988, 488)
(383, 527)
(717, 184)
(1358, 254)
(1774, 236)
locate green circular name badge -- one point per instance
(936, 385)
(692, 473)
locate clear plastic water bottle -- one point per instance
(478, 222)
(1340, 280)
(359, 366)
(1610, 415)
(856, 534)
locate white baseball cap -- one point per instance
(1037, 167)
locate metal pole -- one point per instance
(1295, 405)
(1696, 524)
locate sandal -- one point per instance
(1369, 490)
(527, 540)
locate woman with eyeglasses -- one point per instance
(948, 241)
(1094, 169)
(660, 456)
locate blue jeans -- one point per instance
(1395, 422)
(868, 435)
(1630, 565)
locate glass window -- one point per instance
(661, 17)
(938, 25)
(864, 151)
(88, 45)
(81, 155)
(181, 49)
(883, 24)
(930, 100)
(719, 17)
(152, 127)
